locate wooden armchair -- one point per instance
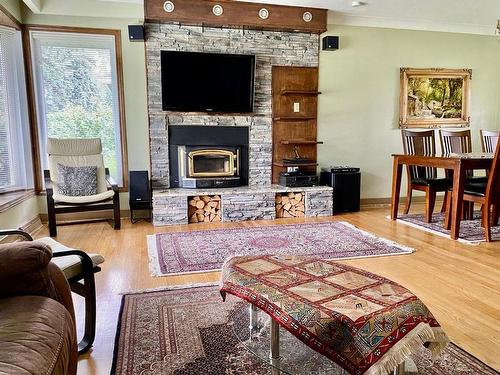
(77, 153)
(79, 269)
(488, 195)
(423, 178)
(489, 140)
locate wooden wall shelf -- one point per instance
(284, 165)
(294, 131)
(300, 92)
(300, 142)
(294, 118)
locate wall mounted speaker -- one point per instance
(136, 33)
(330, 43)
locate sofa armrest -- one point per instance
(25, 269)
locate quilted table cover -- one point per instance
(365, 323)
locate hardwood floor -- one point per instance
(459, 283)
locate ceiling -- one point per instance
(459, 16)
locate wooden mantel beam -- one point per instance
(225, 13)
(34, 5)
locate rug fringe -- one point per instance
(409, 345)
(408, 249)
(170, 287)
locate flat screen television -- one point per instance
(207, 82)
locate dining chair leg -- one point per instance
(445, 200)
(487, 222)
(408, 199)
(447, 216)
(430, 202)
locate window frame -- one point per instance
(27, 29)
(18, 118)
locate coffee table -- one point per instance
(361, 321)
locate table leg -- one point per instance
(254, 318)
(457, 201)
(396, 187)
(275, 346)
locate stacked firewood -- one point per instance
(204, 209)
(290, 205)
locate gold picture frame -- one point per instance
(434, 98)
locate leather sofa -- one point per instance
(37, 323)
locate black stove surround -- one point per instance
(208, 156)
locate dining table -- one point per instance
(457, 164)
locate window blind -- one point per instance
(15, 168)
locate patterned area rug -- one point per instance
(206, 250)
(471, 231)
(191, 331)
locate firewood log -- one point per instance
(200, 204)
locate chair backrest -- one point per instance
(493, 187)
(420, 143)
(76, 153)
(457, 141)
(489, 139)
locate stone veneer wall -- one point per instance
(269, 47)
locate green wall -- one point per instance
(359, 105)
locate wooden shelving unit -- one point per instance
(294, 130)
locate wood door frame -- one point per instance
(38, 178)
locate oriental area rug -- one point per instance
(471, 231)
(206, 250)
(191, 331)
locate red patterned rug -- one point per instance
(471, 231)
(191, 331)
(206, 250)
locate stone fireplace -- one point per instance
(243, 168)
(208, 156)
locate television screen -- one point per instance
(207, 82)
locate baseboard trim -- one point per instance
(386, 202)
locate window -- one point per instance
(76, 90)
(15, 152)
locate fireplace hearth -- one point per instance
(208, 156)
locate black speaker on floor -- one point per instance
(136, 33)
(346, 183)
(139, 193)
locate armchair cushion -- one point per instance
(77, 181)
(71, 265)
(23, 270)
(108, 194)
(76, 153)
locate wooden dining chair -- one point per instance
(489, 139)
(423, 178)
(460, 142)
(488, 195)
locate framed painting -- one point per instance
(434, 98)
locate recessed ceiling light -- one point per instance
(357, 3)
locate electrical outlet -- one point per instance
(296, 107)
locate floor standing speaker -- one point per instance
(139, 193)
(346, 183)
